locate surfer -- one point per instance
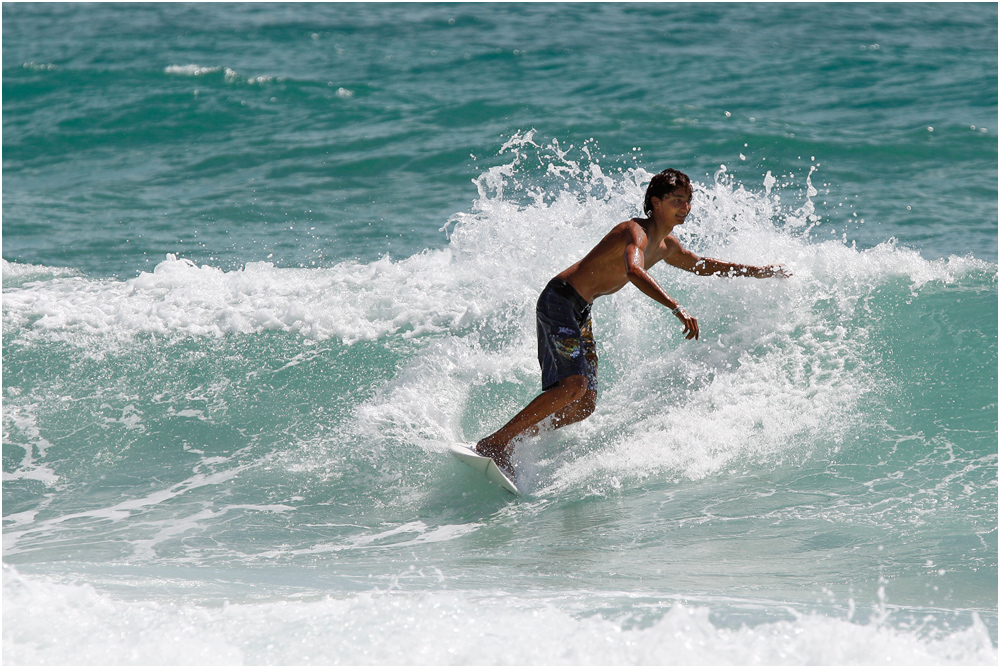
(566, 349)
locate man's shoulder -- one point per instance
(623, 231)
(630, 227)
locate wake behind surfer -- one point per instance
(566, 349)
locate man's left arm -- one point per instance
(682, 258)
(707, 266)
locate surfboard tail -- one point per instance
(486, 466)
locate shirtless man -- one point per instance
(566, 349)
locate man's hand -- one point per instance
(690, 324)
(773, 270)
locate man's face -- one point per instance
(674, 207)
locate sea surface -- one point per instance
(264, 263)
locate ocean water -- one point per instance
(263, 263)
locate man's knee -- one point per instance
(579, 409)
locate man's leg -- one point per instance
(579, 410)
(569, 401)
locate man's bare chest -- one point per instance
(656, 253)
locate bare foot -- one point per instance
(498, 454)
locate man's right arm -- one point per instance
(635, 270)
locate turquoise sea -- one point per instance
(264, 263)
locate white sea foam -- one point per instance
(191, 70)
(405, 535)
(231, 75)
(497, 259)
(52, 623)
(35, 530)
(349, 301)
(19, 272)
(23, 419)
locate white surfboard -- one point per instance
(486, 466)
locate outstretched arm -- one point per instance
(706, 266)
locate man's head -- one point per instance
(664, 184)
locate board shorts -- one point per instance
(565, 335)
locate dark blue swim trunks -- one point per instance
(565, 336)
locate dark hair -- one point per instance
(662, 184)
